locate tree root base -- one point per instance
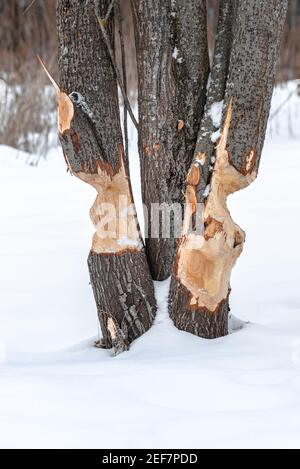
(124, 294)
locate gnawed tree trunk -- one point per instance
(200, 174)
(91, 137)
(173, 66)
(208, 252)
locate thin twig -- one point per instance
(281, 106)
(133, 9)
(28, 7)
(124, 71)
(110, 8)
(102, 24)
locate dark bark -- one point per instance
(93, 148)
(195, 320)
(215, 94)
(173, 66)
(201, 280)
(201, 321)
(124, 277)
(251, 77)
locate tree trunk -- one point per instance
(91, 137)
(173, 67)
(209, 250)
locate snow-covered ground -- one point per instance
(171, 389)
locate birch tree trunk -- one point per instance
(173, 67)
(91, 137)
(239, 103)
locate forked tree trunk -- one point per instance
(91, 137)
(173, 67)
(208, 252)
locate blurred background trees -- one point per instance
(26, 111)
(27, 120)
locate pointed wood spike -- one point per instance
(65, 105)
(54, 83)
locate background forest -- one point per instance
(24, 33)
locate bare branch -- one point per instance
(124, 71)
(281, 106)
(110, 8)
(102, 23)
(28, 7)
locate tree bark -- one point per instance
(173, 67)
(91, 137)
(209, 250)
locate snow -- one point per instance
(209, 82)
(215, 136)
(124, 241)
(207, 191)
(81, 102)
(215, 113)
(171, 390)
(173, 8)
(176, 57)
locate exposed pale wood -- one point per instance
(113, 212)
(242, 80)
(65, 112)
(65, 108)
(205, 262)
(114, 202)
